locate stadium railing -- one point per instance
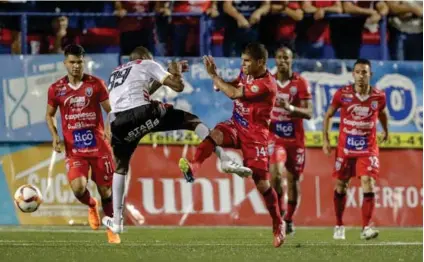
(205, 29)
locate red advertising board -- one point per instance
(159, 192)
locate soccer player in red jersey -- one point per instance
(361, 106)
(287, 144)
(254, 94)
(80, 97)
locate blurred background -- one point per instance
(326, 36)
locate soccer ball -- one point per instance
(28, 198)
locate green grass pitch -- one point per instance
(80, 244)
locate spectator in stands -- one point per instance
(185, 30)
(242, 20)
(280, 31)
(134, 31)
(12, 23)
(406, 30)
(61, 36)
(346, 33)
(311, 30)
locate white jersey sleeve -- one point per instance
(130, 84)
(156, 71)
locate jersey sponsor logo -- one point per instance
(356, 143)
(359, 124)
(81, 116)
(241, 120)
(354, 131)
(84, 138)
(284, 129)
(89, 91)
(359, 112)
(76, 102)
(61, 91)
(79, 125)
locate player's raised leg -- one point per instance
(339, 201)
(368, 232)
(77, 176)
(176, 119)
(276, 168)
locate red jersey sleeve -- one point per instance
(337, 99)
(51, 97)
(103, 94)
(304, 89)
(255, 89)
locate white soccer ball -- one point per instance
(28, 198)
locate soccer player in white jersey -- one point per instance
(135, 115)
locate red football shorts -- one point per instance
(293, 157)
(102, 169)
(255, 153)
(345, 167)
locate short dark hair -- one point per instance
(75, 50)
(256, 51)
(362, 61)
(140, 52)
(282, 48)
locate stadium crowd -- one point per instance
(304, 26)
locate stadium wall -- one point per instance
(156, 189)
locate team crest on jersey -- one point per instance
(89, 91)
(254, 88)
(374, 105)
(293, 90)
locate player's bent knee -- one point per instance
(367, 183)
(79, 186)
(104, 191)
(217, 136)
(263, 185)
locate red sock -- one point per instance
(367, 208)
(86, 199)
(281, 202)
(107, 206)
(291, 208)
(204, 150)
(339, 206)
(271, 202)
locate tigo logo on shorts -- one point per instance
(284, 129)
(84, 138)
(356, 142)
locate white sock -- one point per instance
(118, 190)
(202, 131)
(221, 154)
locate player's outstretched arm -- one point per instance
(227, 88)
(383, 116)
(52, 125)
(326, 129)
(304, 111)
